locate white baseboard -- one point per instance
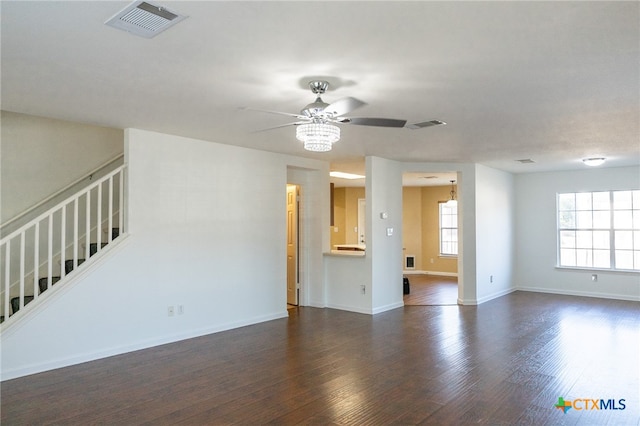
(581, 293)
(361, 310)
(420, 272)
(355, 309)
(8, 374)
(387, 307)
(496, 295)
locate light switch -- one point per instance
(384, 215)
(389, 232)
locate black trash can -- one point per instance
(405, 285)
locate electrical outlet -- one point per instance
(170, 311)
(490, 278)
(594, 277)
(363, 289)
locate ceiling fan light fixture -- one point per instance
(318, 137)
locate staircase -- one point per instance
(44, 284)
(48, 249)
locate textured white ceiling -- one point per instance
(552, 81)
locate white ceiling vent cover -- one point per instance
(144, 19)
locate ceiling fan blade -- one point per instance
(425, 124)
(297, 123)
(343, 106)
(380, 122)
(272, 112)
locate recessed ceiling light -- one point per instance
(343, 175)
(594, 161)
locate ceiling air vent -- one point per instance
(426, 124)
(144, 19)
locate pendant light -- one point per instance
(452, 202)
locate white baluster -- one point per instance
(110, 221)
(121, 202)
(36, 259)
(7, 278)
(63, 234)
(75, 233)
(50, 251)
(99, 218)
(87, 235)
(22, 256)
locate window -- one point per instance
(599, 230)
(448, 230)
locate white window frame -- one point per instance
(441, 228)
(593, 228)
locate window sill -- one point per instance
(602, 270)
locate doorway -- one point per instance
(428, 239)
(293, 245)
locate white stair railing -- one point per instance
(51, 243)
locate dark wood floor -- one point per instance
(504, 362)
(431, 290)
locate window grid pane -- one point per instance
(599, 229)
(448, 230)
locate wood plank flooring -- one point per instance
(505, 362)
(432, 290)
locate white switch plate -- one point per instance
(389, 232)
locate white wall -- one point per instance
(536, 233)
(495, 233)
(206, 231)
(344, 277)
(41, 156)
(380, 269)
(384, 252)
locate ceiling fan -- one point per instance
(315, 127)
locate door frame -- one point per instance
(296, 252)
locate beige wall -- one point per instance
(338, 228)
(412, 225)
(345, 215)
(420, 224)
(41, 156)
(431, 196)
